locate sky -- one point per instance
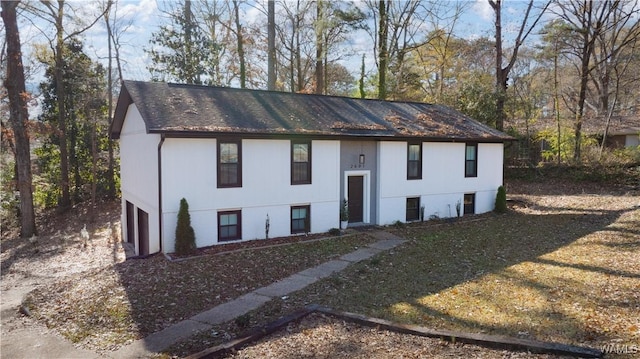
(144, 17)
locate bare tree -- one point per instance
(271, 50)
(240, 43)
(319, 25)
(18, 117)
(502, 73)
(399, 30)
(115, 28)
(383, 56)
(612, 57)
(586, 20)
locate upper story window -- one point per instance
(300, 162)
(471, 160)
(229, 164)
(414, 161)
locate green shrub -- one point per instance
(185, 236)
(334, 232)
(501, 200)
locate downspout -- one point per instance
(160, 190)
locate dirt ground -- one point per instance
(320, 336)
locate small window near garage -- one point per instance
(470, 203)
(413, 209)
(471, 160)
(414, 161)
(300, 219)
(229, 164)
(301, 162)
(229, 226)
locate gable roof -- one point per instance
(193, 111)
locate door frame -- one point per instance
(366, 189)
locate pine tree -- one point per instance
(185, 236)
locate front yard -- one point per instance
(562, 267)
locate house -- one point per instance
(242, 157)
(622, 132)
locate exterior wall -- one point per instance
(189, 170)
(443, 183)
(632, 140)
(139, 175)
(349, 165)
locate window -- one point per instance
(414, 161)
(229, 226)
(229, 164)
(413, 209)
(471, 160)
(300, 162)
(469, 203)
(300, 219)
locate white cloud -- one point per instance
(141, 12)
(483, 9)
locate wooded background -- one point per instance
(558, 65)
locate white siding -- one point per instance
(139, 174)
(189, 171)
(443, 183)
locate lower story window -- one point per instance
(470, 203)
(413, 209)
(300, 219)
(229, 226)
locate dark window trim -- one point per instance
(239, 164)
(417, 209)
(307, 221)
(308, 179)
(238, 213)
(475, 160)
(419, 161)
(471, 208)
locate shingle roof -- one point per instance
(188, 110)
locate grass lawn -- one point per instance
(555, 268)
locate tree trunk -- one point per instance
(556, 101)
(582, 95)
(271, 45)
(319, 68)
(361, 81)
(18, 117)
(240, 45)
(382, 49)
(65, 199)
(501, 82)
(111, 183)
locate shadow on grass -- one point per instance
(495, 276)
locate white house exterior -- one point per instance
(291, 159)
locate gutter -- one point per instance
(162, 138)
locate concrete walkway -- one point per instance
(163, 339)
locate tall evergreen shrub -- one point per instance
(185, 236)
(501, 200)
